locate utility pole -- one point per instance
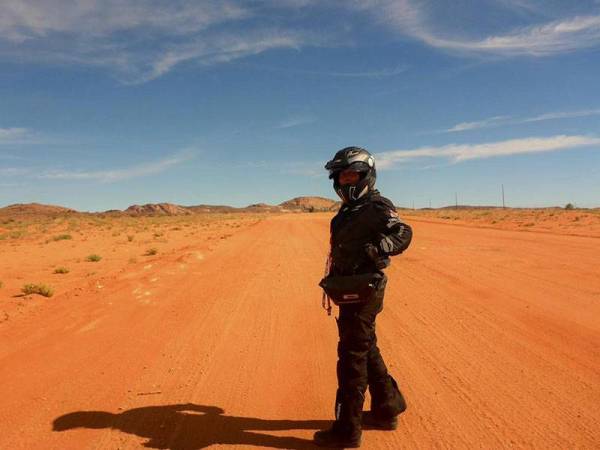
(503, 205)
(456, 200)
(429, 203)
(413, 205)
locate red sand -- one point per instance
(493, 335)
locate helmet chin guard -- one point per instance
(359, 160)
(350, 193)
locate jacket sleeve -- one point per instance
(394, 236)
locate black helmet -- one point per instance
(359, 160)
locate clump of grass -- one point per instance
(151, 252)
(130, 237)
(12, 234)
(1, 284)
(40, 289)
(61, 270)
(93, 258)
(157, 235)
(62, 237)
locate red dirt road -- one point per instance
(494, 336)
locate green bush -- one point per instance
(569, 206)
(12, 234)
(93, 258)
(61, 270)
(62, 237)
(40, 289)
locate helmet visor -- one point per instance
(357, 166)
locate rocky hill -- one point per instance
(298, 204)
(34, 209)
(157, 209)
(311, 204)
(210, 208)
(261, 207)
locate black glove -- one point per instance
(381, 262)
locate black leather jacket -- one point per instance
(373, 221)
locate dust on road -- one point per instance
(493, 335)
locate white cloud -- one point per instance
(539, 40)
(508, 120)
(23, 20)
(112, 175)
(485, 123)
(464, 152)
(295, 122)
(562, 115)
(564, 34)
(140, 40)
(215, 50)
(12, 135)
(12, 171)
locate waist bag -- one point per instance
(351, 288)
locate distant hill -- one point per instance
(311, 204)
(468, 207)
(210, 208)
(157, 209)
(297, 204)
(261, 207)
(34, 209)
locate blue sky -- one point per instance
(106, 104)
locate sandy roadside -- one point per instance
(494, 335)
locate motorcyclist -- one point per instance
(365, 232)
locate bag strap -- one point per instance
(325, 299)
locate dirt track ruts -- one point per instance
(494, 336)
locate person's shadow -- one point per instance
(189, 427)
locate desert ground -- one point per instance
(207, 331)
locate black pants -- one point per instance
(360, 364)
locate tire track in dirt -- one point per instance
(494, 343)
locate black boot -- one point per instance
(346, 429)
(387, 402)
(338, 436)
(371, 420)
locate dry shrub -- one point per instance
(41, 289)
